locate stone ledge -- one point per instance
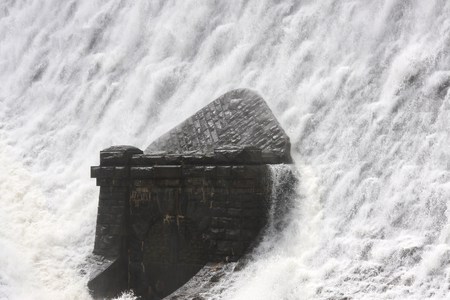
(219, 156)
(117, 155)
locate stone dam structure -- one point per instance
(198, 195)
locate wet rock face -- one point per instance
(163, 215)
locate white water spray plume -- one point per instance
(361, 87)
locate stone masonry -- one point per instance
(198, 195)
(238, 118)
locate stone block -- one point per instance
(210, 172)
(194, 181)
(252, 222)
(109, 244)
(226, 204)
(147, 160)
(221, 183)
(218, 196)
(139, 228)
(113, 159)
(116, 210)
(244, 201)
(252, 212)
(117, 155)
(242, 172)
(167, 171)
(225, 222)
(253, 203)
(220, 192)
(149, 183)
(274, 157)
(113, 189)
(248, 234)
(238, 248)
(193, 171)
(112, 182)
(140, 195)
(229, 250)
(105, 218)
(105, 202)
(109, 230)
(113, 196)
(172, 159)
(219, 212)
(237, 155)
(142, 172)
(225, 247)
(237, 192)
(168, 183)
(244, 183)
(196, 210)
(217, 233)
(232, 234)
(196, 159)
(109, 172)
(108, 279)
(223, 171)
(234, 212)
(167, 201)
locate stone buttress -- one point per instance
(199, 194)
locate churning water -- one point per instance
(361, 87)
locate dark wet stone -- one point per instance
(238, 118)
(198, 195)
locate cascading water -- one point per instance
(283, 184)
(362, 88)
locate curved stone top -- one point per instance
(238, 118)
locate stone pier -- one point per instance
(199, 194)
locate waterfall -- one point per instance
(281, 205)
(361, 87)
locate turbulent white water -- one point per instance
(362, 88)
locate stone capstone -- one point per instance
(238, 118)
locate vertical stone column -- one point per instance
(113, 178)
(237, 209)
(154, 196)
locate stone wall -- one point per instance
(163, 217)
(198, 195)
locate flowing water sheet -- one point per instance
(361, 87)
